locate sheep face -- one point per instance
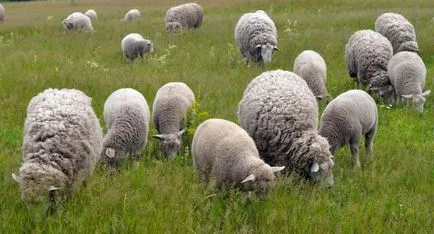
(170, 143)
(173, 27)
(262, 181)
(322, 173)
(265, 52)
(416, 100)
(67, 25)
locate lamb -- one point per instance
(61, 145)
(134, 45)
(189, 15)
(346, 118)
(78, 21)
(169, 112)
(407, 73)
(256, 36)
(367, 54)
(126, 114)
(398, 30)
(280, 113)
(91, 13)
(310, 66)
(224, 152)
(133, 14)
(2, 13)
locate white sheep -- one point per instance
(367, 54)
(169, 112)
(310, 66)
(398, 30)
(185, 16)
(126, 114)
(134, 45)
(346, 119)
(2, 13)
(78, 21)
(61, 145)
(407, 73)
(91, 13)
(256, 36)
(280, 113)
(133, 14)
(224, 152)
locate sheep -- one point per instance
(61, 145)
(310, 66)
(346, 118)
(367, 54)
(134, 45)
(224, 152)
(169, 112)
(77, 21)
(126, 114)
(133, 14)
(91, 13)
(398, 30)
(407, 73)
(280, 113)
(256, 37)
(2, 13)
(185, 16)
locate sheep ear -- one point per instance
(159, 136)
(276, 48)
(408, 96)
(315, 167)
(426, 93)
(53, 188)
(180, 132)
(319, 97)
(109, 152)
(251, 177)
(16, 178)
(258, 46)
(277, 169)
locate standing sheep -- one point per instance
(346, 118)
(133, 14)
(78, 21)
(407, 73)
(256, 36)
(189, 15)
(134, 45)
(398, 30)
(280, 113)
(224, 152)
(126, 114)
(91, 13)
(310, 66)
(2, 13)
(61, 145)
(169, 112)
(367, 54)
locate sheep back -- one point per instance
(131, 15)
(189, 15)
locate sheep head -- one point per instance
(170, 143)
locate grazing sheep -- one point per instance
(2, 13)
(91, 13)
(224, 152)
(310, 66)
(280, 113)
(134, 45)
(346, 118)
(367, 54)
(398, 30)
(169, 112)
(126, 114)
(256, 36)
(61, 145)
(133, 14)
(407, 73)
(78, 21)
(189, 15)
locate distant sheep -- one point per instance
(169, 112)
(367, 54)
(280, 113)
(398, 30)
(133, 14)
(91, 13)
(2, 13)
(407, 73)
(256, 36)
(78, 21)
(134, 45)
(126, 114)
(224, 152)
(189, 15)
(310, 66)
(346, 119)
(62, 143)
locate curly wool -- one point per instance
(2, 13)
(78, 21)
(131, 15)
(62, 142)
(189, 15)
(398, 30)
(134, 45)
(91, 13)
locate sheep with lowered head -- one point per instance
(77, 21)
(280, 113)
(91, 13)
(185, 16)
(134, 45)
(224, 152)
(133, 14)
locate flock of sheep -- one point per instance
(278, 113)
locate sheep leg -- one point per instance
(354, 148)
(369, 139)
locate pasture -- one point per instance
(392, 193)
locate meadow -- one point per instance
(392, 193)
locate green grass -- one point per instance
(393, 193)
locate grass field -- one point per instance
(393, 193)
